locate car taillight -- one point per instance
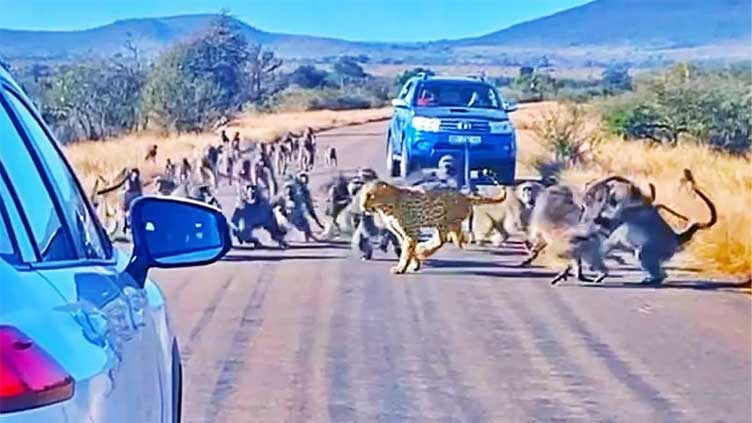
(29, 377)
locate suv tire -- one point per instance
(404, 163)
(392, 166)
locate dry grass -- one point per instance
(110, 157)
(725, 250)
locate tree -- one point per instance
(617, 78)
(409, 73)
(349, 70)
(308, 76)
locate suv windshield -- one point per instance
(456, 94)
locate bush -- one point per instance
(308, 76)
(687, 103)
(564, 131)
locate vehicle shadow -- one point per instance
(276, 257)
(686, 285)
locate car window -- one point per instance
(83, 226)
(46, 227)
(13, 223)
(447, 94)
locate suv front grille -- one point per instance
(460, 126)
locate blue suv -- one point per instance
(462, 117)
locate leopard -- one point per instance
(405, 211)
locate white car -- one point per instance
(84, 334)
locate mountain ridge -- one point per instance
(641, 24)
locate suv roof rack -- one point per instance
(481, 77)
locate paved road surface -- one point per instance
(314, 335)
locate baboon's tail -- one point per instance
(687, 234)
(477, 200)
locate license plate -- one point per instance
(465, 139)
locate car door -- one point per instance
(401, 116)
(73, 254)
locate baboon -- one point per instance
(556, 219)
(513, 215)
(166, 185)
(209, 166)
(262, 174)
(337, 199)
(185, 171)
(107, 214)
(308, 151)
(169, 171)
(303, 191)
(445, 175)
(331, 157)
(223, 136)
(365, 226)
(294, 211)
(133, 188)
(639, 227)
(252, 212)
(151, 154)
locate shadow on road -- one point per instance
(276, 257)
(690, 285)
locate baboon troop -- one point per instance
(584, 229)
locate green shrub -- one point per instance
(686, 103)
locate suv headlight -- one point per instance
(425, 124)
(502, 127)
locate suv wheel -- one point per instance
(404, 164)
(392, 166)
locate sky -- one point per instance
(360, 20)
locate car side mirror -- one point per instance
(398, 102)
(510, 106)
(170, 232)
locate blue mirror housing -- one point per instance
(171, 232)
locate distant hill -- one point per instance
(637, 23)
(602, 30)
(152, 35)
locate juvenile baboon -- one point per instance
(331, 157)
(223, 137)
(151, 154)
(254, 211)
(639, 227)
(513, 216)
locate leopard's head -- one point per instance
(378, 194)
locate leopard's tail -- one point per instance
(477, 200)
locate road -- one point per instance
(312, 334)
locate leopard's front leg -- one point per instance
(408, 252)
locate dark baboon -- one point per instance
(151, 154)
(331, 157)
(252, 212)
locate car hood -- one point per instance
(461, 113)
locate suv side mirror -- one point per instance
(170, 232)
(398, 102)
(510, 106)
